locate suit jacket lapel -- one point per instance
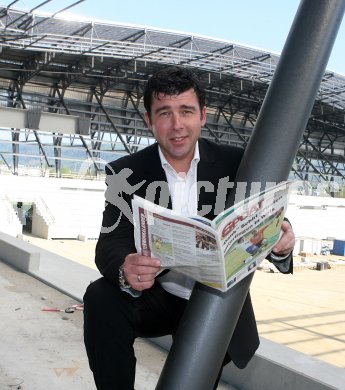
(151, 166)
(157, 189)
(207, 182)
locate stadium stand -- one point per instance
(72, 209)
(61, 208)
(72, 90)
(9, 221)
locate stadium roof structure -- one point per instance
(71, 92)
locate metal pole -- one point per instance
(210, 319)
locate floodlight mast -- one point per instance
(207, 326)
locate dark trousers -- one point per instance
(113, 319)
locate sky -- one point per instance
(263, 24)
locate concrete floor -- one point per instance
(39, 350)
(304, 311)
(42, 350)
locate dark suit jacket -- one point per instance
(216, 162)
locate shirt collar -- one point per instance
(165, 162)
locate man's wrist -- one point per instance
(123, 283)
(278, 258)
(125, 286)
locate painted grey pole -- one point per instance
(208, 324)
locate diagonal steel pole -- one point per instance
(209, 321)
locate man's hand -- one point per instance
(140, 271)
(287, 241)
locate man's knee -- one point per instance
(104, 301)
(101, 289)
(100, 295)
(95, 290)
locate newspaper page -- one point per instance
(188, 245)
(249, 231)
(218, 253)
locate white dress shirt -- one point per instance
(184, 196)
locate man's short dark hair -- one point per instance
(172, 81)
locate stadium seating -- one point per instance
(62, 208)
(67, 208)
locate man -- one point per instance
(131, 300)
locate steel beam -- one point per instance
(111, 122)
(15, 150)
(210, 318)
(57, 140)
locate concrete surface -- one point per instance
(42, 350)
(304, 311)
(276, 367)
(39, 350)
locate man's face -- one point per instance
(176, 123)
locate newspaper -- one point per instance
(217, 253)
